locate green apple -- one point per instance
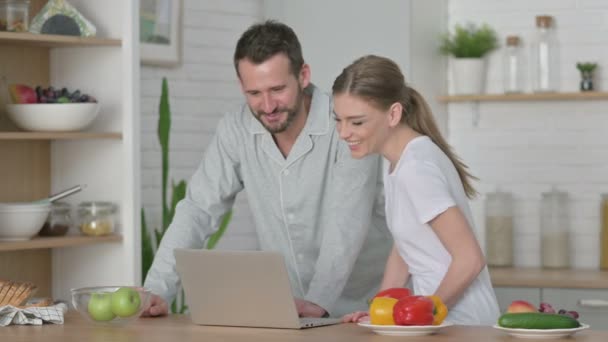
(125, 302)
(100, 307)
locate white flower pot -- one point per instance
(469, 75)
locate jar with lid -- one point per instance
(96, 218)
(513, 66)
(604, 233)
(59, 220)
(555, 230)
(499, 228)
(14, 15)
(544, 56)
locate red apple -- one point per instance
(22, 94)
(521, 306)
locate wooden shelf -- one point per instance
(57, 242)
(52, 40)
(59, 135)
(592, 95)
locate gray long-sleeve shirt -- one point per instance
(319, 207)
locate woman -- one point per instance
(427, 188)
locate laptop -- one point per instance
(240, 289)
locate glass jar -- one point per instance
(14, 15)
(59, 220)
(96, 218)
(513, 66)
(544, 56)
(499, 229)
(555, 230)
(604, 233)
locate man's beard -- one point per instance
(280, 127)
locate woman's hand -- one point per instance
(354, 317)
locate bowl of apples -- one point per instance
(114, 305)
(50, 110)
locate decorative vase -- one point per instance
(586, 81)
(469, 75)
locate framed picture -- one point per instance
(160, 32)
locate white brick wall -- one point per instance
(528, 147)
(201, 90)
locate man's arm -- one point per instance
(351, 203)
(210, 194)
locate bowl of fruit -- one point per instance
(50, 109)
(114, 305)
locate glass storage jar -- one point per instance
(604, 233)
(96, 218)
(555, 230)
(14, 15)
(544, 53)
(513, 74)
(59, 221)
(499, 228)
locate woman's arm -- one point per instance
(396, 271)
(457, 237)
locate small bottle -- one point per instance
(59, 220)
(499, 229)
(544, 56)
(604, 233)
(96, 218)
(555, 230)
(513, 66)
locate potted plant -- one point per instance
(468, 46)
(586, 70)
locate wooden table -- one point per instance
(178, 328)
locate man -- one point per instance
(311, 201)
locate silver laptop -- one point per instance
(240, 288)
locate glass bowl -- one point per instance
(110, 304)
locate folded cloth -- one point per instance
(32, 315)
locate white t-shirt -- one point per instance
(424, 184)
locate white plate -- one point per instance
(404, 330)
(541, 333)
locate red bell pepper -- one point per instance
(413, 310)
(395, 292)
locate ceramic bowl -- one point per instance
(22, 221)
(53, 117)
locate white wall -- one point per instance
(334, 33)
(527, 147)
(201, 89)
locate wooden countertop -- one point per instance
(549, 278)
(179, 328)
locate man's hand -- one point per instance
(157, 307)
(308, 309)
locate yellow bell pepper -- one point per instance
(381, 311)
(440, 311)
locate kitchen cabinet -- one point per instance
(105, 156)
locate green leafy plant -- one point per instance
(586, 67)
(469, 41)
(178, 192)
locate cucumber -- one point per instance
(537, 320)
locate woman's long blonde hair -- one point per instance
(380, 81)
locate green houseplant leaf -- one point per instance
(177, 194)
(469, 41)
